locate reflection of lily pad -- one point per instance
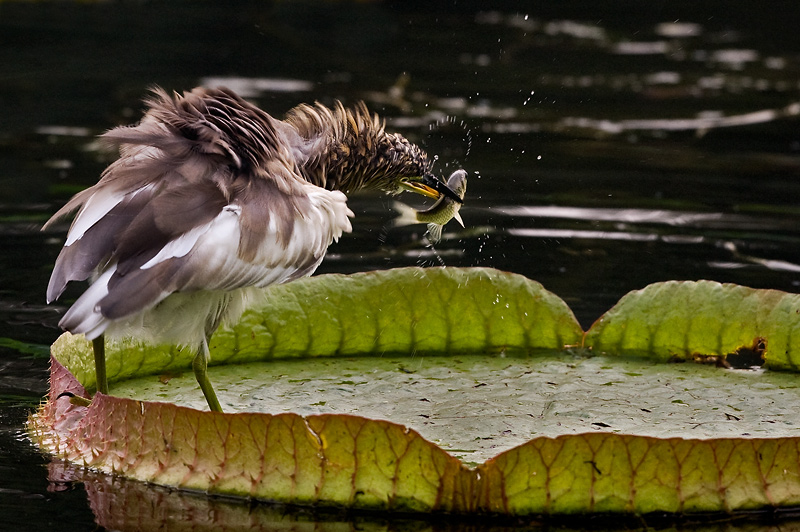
(486, 365)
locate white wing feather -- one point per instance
(219, 278)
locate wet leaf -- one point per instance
(635, 474)
(477, 406)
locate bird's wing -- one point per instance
(219, 255)
(204, 197)
(115, 223)
(174, 173)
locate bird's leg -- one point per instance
(200, 366)
(99, 348)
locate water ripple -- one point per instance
(634, 216)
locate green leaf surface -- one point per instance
(476, 406)
(679, 320)
(532, 427)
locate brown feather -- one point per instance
(207, 153)
(358, 154)
(95, 248)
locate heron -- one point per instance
(211, 201)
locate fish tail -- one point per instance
(434, 233)
(406, 214)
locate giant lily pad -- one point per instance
(533, 423)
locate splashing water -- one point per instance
(439, 134)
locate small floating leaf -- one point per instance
(36, 350)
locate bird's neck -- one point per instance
(341, 149)
(348, 164)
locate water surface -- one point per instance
(608, 146)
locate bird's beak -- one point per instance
(431, 187)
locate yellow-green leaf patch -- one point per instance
(681, 320)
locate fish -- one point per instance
(438, 214)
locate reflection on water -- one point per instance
(254, 87)
(609, 146)
(630, 216)
(706, 121)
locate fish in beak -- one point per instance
(431, 187)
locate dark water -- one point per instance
(609, 147)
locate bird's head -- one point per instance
(349, 150)
(408, 169)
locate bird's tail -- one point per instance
(84, 317)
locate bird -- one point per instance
(211, 201)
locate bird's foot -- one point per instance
(200, 367)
